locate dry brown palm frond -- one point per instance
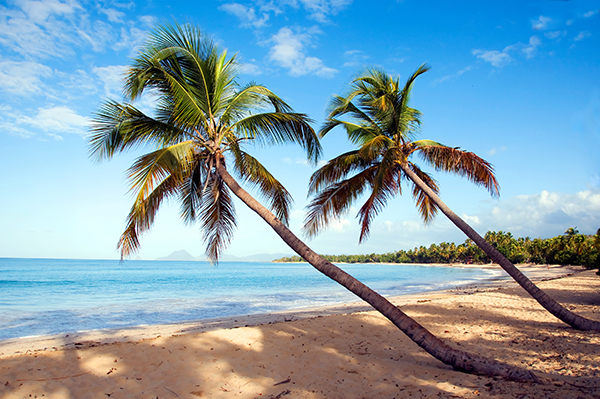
(427, 208)
(460, 162)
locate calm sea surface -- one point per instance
(52, 296)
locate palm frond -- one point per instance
(217, 217)
(277, 128)
(150, 169)
(142, 215)
(252, 171)
(460, 162)
(376, 146)
(190, 193)
(426, 207)
(336, 170)
(335, 200)
(386, 187)
(119, 127)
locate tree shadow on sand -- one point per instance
(342, 356)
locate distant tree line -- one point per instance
(571, 248)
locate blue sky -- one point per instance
(517, 82)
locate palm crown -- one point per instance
(382, 125)
(201, 114)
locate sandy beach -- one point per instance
(345, 351)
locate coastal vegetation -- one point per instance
(379, 121)
(203, 120)
(571, 248)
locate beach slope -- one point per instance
(338, 355)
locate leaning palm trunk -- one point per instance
(430, 343)
(574, 320)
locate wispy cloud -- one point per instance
(494, 57)
(590, 13)
(249, 68)
(453, 76)
(112, 78)
(56, 120)
(321, 9)
(530, 49)
(289, 51)
(354, 58)
(257, 14)
(247, 15)
(582, 35)
(542, 23)
(23, 77)
(502, 58)
(112, 14)
(555, 34)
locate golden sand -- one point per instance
(340, 352)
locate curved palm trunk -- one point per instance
(574, 320)
(458, 359)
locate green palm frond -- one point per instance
(332, 202)
(191, 190)
(377, 118)
(386, 187)
(201, 112)
(120, 127)
(142, 215)
(217, 217)
(150, 169)
(252, 171)
(376, 146)
(460, 162)
(336, 170)
(270, 128)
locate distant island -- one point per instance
(571, 248)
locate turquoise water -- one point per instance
(53, 296)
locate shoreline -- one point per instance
(35, 344)
(351, 352)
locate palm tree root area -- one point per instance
(353, 352)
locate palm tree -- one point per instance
(202, 116)
(380, 122)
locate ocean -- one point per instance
(55, 296)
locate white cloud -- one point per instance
(246, 15)
(51, 29)
(545, 214)
(288, 51)
(590, 13)
(582, 35)
(472, 220)
(56, 120)
(112, 14)
(530, 49)
(495, 150)
(555, 34)
(494, 57)
(354, 58)
(321, 9)
(251, 69)
(453, 76)
(339, 225)
(132, 38)
(502, 58)
(389, 224)
(541, 23)
(23, 77)
(112, 78)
